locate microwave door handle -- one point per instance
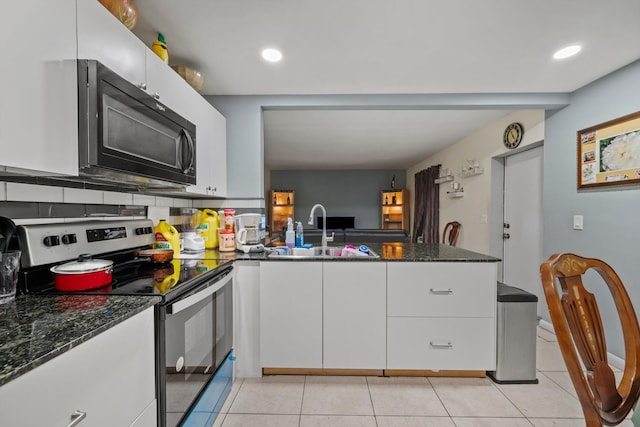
(191, 152)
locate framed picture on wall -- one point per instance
(609, 153)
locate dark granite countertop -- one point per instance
(392, 252)
(35, 329)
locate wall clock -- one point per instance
(513, 135)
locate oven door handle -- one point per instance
(187, 302)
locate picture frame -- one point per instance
(609, 153)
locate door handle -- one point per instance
(506, 235)
(440, 344)
(192, 148)
(76, 418)
(441, 291)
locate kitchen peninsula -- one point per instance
(416, 310)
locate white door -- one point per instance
(523, 223)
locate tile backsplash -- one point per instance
(36, 199)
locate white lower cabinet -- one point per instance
(354, 322)
(246, 324)
(377, 315)
(291, 314)
(440, 343)
(110, 378)
(441, 316)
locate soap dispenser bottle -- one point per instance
(299, 235)
(290, 235)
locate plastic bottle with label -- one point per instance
(167, 237)
(290, 235)
(299, 234)
(208, 228)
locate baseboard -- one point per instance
(614, 360)
(374, 372)
(547, 326)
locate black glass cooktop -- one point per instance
(131, 276)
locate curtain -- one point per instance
(427, 206)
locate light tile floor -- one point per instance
(317, 401)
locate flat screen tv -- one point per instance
(337, 222)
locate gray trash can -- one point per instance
(516, 339)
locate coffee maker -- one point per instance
(249, 232)
(191, 241)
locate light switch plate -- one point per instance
(578, 222)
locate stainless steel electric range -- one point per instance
(194, 320)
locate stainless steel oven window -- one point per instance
(198, 334)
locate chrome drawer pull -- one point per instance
(76, 418)
(441, 291)
(436, 344)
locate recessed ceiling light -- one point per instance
(272, 55)
(566, 52)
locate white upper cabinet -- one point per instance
(211, 154)
(38, 87)
(39, 101)
(102, 37)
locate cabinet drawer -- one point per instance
(441, 289)
(441, 343)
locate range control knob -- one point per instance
(139, 231)
(69, 239)
(149, 230)
(51, 241)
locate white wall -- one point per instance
(482, 145)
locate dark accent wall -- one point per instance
(342, 192)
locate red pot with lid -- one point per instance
(83, 274)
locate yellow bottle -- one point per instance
(159, 47)
(167, 237)
(208, 228)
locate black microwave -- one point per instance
(126, 136)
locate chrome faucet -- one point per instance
(325, 238)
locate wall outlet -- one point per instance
(483, 219)
(578, 223)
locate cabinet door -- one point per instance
(115, 369)
(443, 289)
(211, 146)
(246, 343)
(218, 160)
(102, 37)
(291, 314)
(38, 87)
(354, 315)
(168, 87)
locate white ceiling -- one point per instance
(388, 47)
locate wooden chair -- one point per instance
(453, 230)
(578, 326)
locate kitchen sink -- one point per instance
(331, 252)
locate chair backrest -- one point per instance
(578, 327)
(451, 232)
